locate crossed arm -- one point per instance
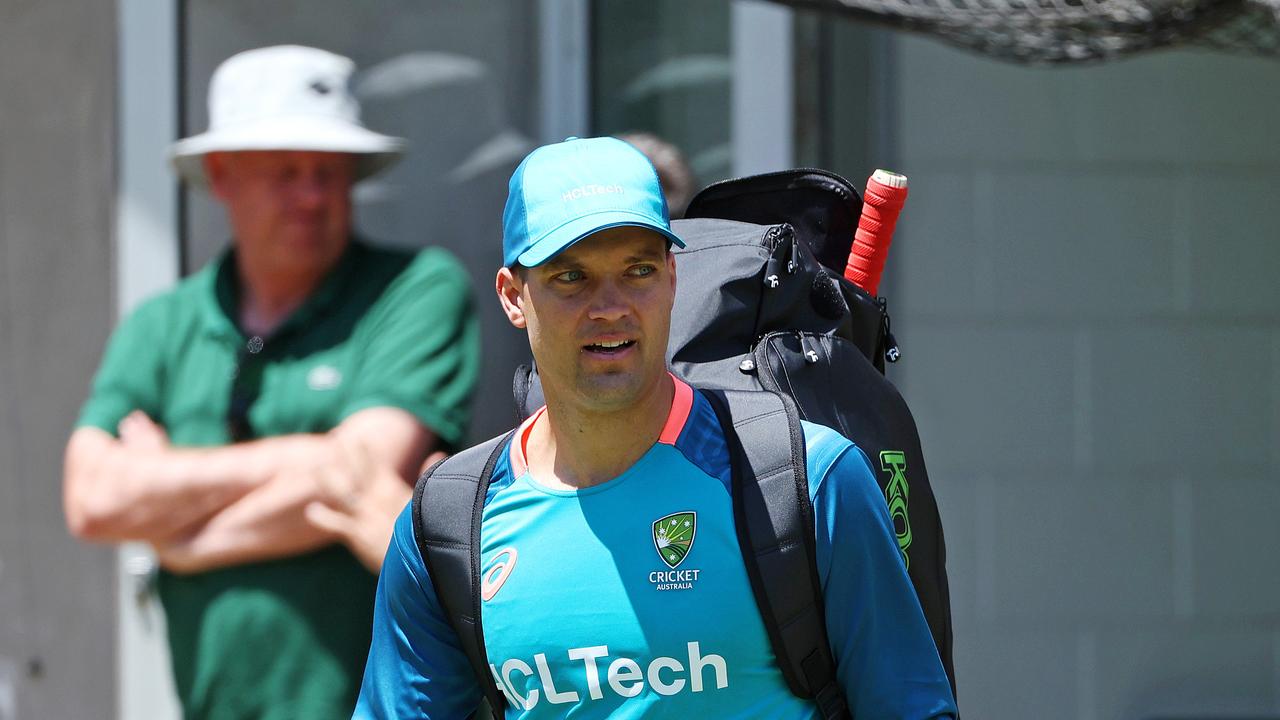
(205, 508)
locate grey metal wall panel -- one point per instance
(57, 632)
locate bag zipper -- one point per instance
(760, 360)
(772, 274)
(774, 238)
(891, 351)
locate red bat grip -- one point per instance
(881, 203)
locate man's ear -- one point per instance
(509, 288)
(215, 173)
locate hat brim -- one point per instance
(375, 152)
(578, 229)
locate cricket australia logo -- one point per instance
(673, 537)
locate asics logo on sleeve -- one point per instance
(623, 676)
(499, 570)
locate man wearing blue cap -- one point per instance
(611, 577)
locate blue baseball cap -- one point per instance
(565, 192)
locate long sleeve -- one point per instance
(885, 657)
(416, 667)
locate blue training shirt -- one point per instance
(630, 598)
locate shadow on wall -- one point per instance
(465, 131)
(450, 191)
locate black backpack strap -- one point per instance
(448, 504)
(775, 525)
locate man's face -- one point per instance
(290, 210)
(598, 316)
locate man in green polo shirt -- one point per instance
(301, 377)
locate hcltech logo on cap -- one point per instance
(590, 190)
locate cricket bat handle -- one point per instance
(881, 203)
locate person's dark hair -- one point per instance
(674, 173)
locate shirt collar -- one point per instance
(681, 406)
(222, 292)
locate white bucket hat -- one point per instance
(286, 97)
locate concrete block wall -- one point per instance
(1086, 291)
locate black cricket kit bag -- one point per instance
(776, 288)
(758, 307)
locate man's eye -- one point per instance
(569, 276)
(643, 270)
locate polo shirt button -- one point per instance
(254, 346)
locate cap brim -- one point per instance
(375, 151)
(583, 227)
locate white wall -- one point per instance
(1088, 305)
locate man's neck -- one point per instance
(268, 299)
(573, 448)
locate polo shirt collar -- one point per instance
(222, 293)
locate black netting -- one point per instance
(1062, 31)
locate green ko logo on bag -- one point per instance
(673, 536)
(894, 462)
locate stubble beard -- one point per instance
(607, 392)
